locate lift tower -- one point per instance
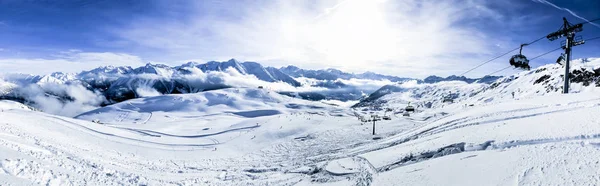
(567, 30)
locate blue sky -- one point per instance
(398, 37)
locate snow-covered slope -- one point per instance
(239, 102)
(251, 136)
(547, 79)
(255, 137)
(10, 105)
(547, 140)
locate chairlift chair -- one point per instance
(519, 60)
(561, 59)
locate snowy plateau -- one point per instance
(239, 123)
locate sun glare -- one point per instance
(353, 33)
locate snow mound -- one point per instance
(7, 105)
(242, 102)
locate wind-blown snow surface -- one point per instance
(256, 137)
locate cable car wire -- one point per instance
(498, 70)
(597, 19)
(534, 41)
(529, 60)
(593, 38)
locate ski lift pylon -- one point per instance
(519, 60)
(409, 108)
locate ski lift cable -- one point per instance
(593, 38)
(590, 39)
(545, 53)
(590, 21)
(499, 70)
(534, 41)
(530, 60)
(593, 20)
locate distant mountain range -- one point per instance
(485, 79)
(334, 74)
(124, 82)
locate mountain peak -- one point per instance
(233, 60)
(190, 64)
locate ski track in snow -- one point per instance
(305, 146)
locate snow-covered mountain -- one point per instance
(268, 74)
(116, 84)
(121, 83)
(334, 74)
(547, 79)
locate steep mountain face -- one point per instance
(278, 75)
(157, 69)
(485, 79)
(222, 66)
(112, 70)
(56, 77)
(315, 74)
(334, 74)
(267, 74)
(547, 79)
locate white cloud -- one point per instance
(68, 61)
(405, 38)
(147, 92)
(82, 100)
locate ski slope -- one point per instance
(256, 137)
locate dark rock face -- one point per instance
(585, 77)
(542, 79)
